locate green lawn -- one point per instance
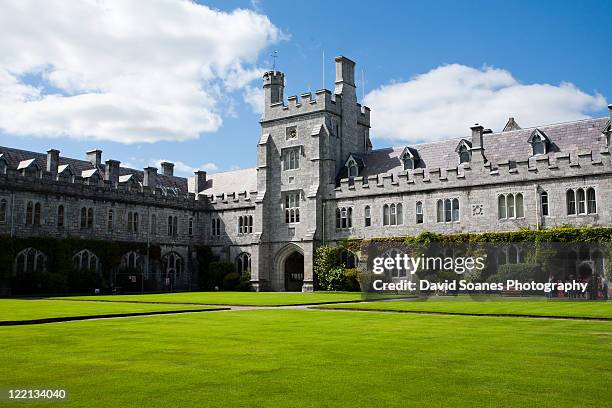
(19, 310)
(235, 298)
(541, 307)
(307, 358)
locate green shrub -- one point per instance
(245, 281)
(521, 272)
(231, 281)
(217, 272)
(353, 279)
(328, 268)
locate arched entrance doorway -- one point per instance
(585, 271)
(294, 272)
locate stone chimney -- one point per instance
(610, 111)
(167, 168)
(199, 181)
(149, 178)
(112, 171)
(52, 161)
(477, 147)
(95, 157)
(345, 78)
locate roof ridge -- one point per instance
(547, 125)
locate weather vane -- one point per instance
(274, 56)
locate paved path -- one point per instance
(317, 306)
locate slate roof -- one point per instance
(16, 156)
(581, 135)
(231, 182)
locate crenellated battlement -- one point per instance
(550, 167)
(322, 100)
(134, 193)
(99, 190)
(234, 200)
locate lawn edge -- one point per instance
(105, 316)
(517, 315)
(218, 304)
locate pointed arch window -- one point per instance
(581, 201)
(570, 197)
(29, 213)
(447, 210)
(60, 216)
(30, 260)
(153, 227)
(544, 203)
(90, 218)
(510, 206)
(367, 215)
(37, 214)
(344, 217)
(419, 212)
(591, 201)
(243, 263)
(3, 209)
(86, 260)
(393, 214)
(109, 220)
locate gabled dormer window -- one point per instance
(539, 142)
(464, 151)
(3, 164)
(352, 167)
(409, 158)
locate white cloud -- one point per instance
(117, 70)
(444, 102)
(209, 167)
(254, 96)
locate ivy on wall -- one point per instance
(563, 234)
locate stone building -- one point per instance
(317, 180)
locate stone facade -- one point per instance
(317, 179)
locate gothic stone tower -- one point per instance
(303, 145)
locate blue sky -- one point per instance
(481, 60)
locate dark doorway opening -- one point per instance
(585, 271)
(294, 272)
